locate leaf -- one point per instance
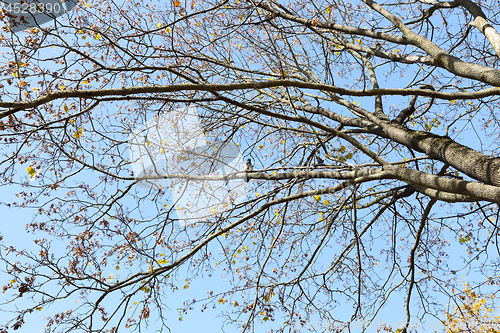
(176, 3)
(79, 133)
(31, 172)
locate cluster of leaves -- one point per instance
(475, 314)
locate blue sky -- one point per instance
(13, 228)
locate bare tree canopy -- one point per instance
(327, 159)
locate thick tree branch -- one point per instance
(333, 26)
(481, 23)
(441, 57)
(14, 107)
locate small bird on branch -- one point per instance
(248, 167)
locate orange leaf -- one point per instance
(176, 3)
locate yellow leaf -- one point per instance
(159, 25)
(168, 30)
(12, 281)
(79, 133)
(39, 308)
(326, 202)
(317, 197)
(35, 89)
(32, 173)
(85, 82)
(98, 36)
(86, 4)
